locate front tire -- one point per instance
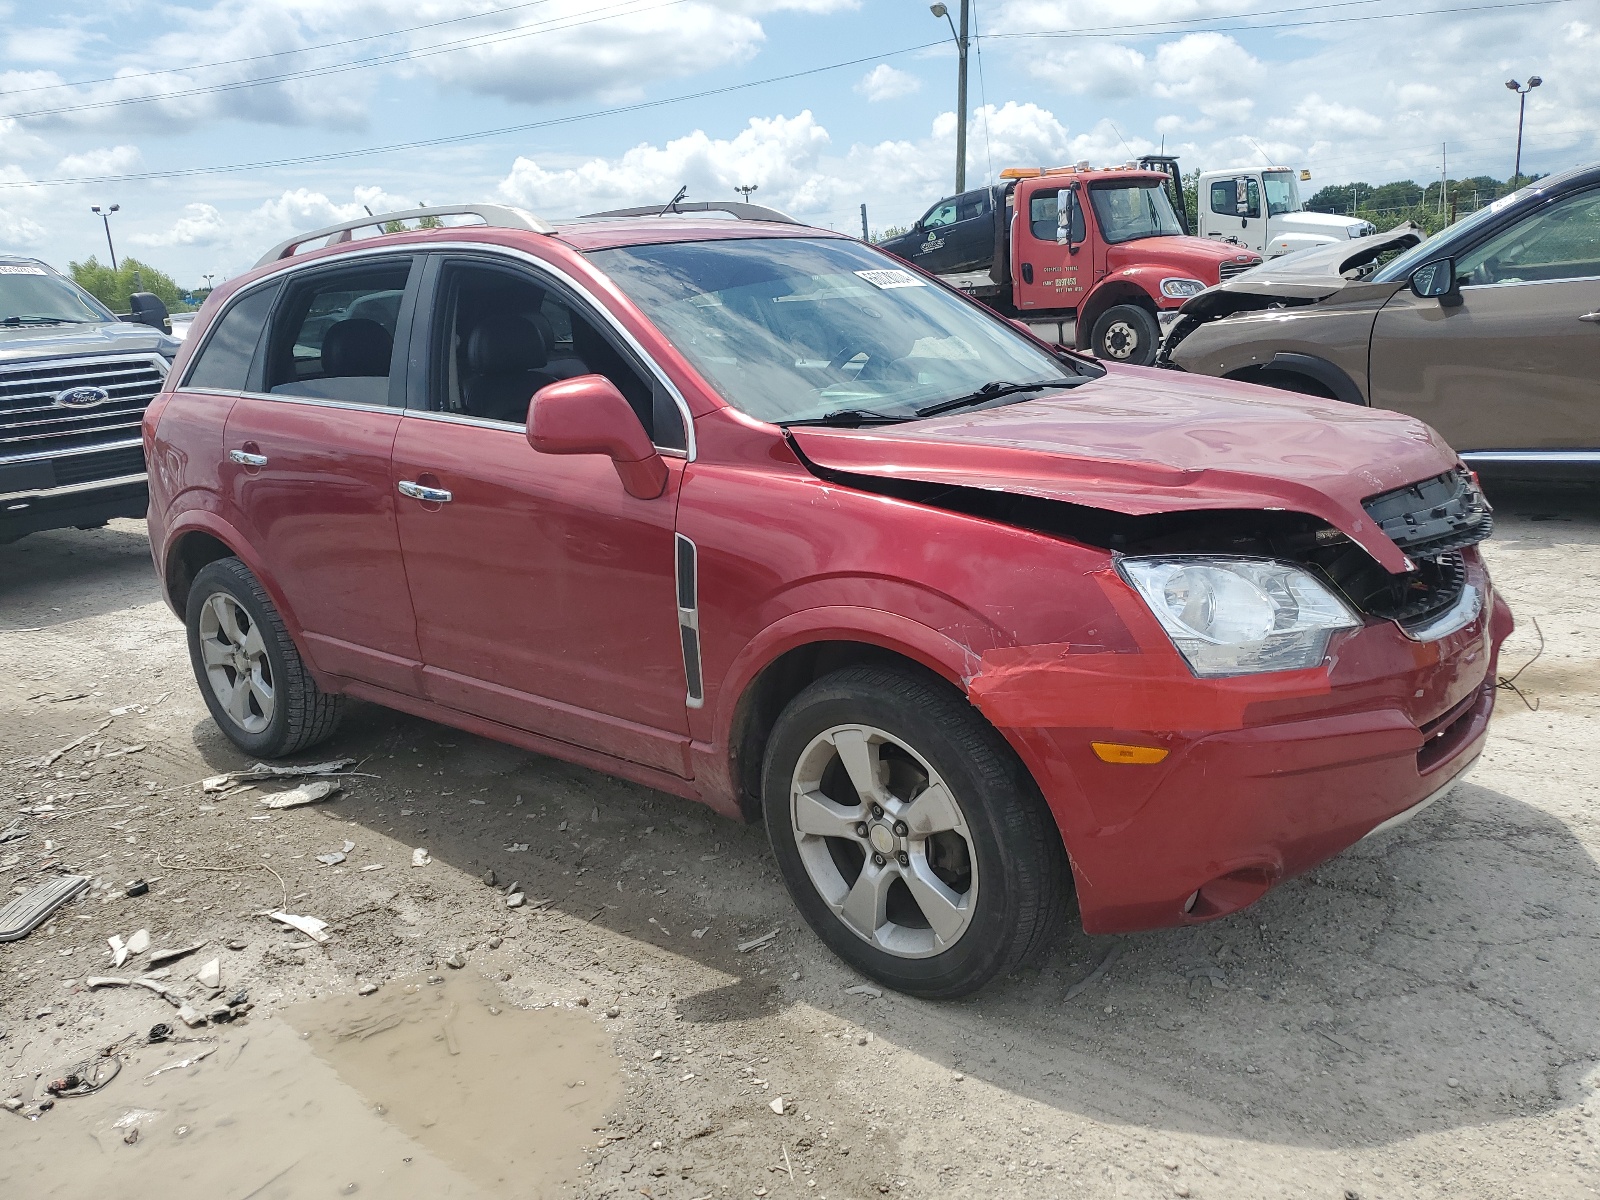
(911, 838)
(249, 670)
(1126, 333)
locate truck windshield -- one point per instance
(1133, 210)
(793, 329)
(1283, 193)
(33, 295)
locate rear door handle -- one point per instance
(418, 492)
(245, 459)
(1593, 318)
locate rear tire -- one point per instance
(1128, 334)
(249, 670)
(960, 876)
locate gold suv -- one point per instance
(1489, 331)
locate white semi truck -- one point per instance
(1259, 208)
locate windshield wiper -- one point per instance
(30, 319)
(994, 390)
(848, 417)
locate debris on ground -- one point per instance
(756, 943)
(160, 957)
(420, 857)
(312, 927)
(777, 1105)
(35, 906)
(335, 857)
(183, 1062)
(137, 887)
(220, 783)
(864, 989)
(305, 793)
(1101, 968)
(210, 975)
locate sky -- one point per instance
(223, 126)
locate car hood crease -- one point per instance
(1132, 444)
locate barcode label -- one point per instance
(892, 279)
(21, 269)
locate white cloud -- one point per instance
(884, 82)
(106, 160)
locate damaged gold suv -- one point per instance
(1489, 331)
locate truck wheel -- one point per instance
(249, 670)
(1126, 333)
(912, 840)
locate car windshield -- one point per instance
(1129, 211)
(795, 329)
(1401, 266)
(34, 295)
(1283, 194)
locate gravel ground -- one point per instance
(1418, 1018)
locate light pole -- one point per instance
(208, 279)
(745, 190)
(105, 218)
(939, 10)
(1522, 107)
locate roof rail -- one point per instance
(495, 216)
(734, 208)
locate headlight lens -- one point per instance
(1181, 289)
(1239, 616)
(1364, 229)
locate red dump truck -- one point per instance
(1095, 258)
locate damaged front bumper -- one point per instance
(1263, 776)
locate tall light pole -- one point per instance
(939, 10)
(1522, 108)
(105, 217)
(208, 279)
(745, 189)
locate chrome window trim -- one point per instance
(1478, 287)
(690, 451)
(77, 452)
(314, 401)
(67, 489)
(503, 426)
(1490, 457)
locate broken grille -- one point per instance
(32, 424)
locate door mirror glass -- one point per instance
(1435, 280)
(588, 415)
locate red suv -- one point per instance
(755, 514)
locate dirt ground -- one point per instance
(1417, 1018)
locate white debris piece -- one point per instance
(306, 793)
(210, 975)
(139, 942)
(420, 857)
(181, 1063)
(777, 1105)
(219, 783)
(331, 860)
(515, 900)
(864, 989)
(100, 981)
(312, 927)
(119, 950)
(757, 943)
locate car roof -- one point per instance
(609, 233)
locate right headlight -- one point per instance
(1239, 616)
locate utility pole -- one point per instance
(1522, 108)
(1444, 173)
(962, 42)
(105, 218)
(865, 236)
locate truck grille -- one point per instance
(1229, 269)
(33, 424)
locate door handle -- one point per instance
(418, 492)
(1593, 318)
(245, 459)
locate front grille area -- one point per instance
(32, 423)
(1435, 516)
(102, 464)
(1229, 269)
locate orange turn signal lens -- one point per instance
(1117, 752)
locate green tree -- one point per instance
(112, 288)
(1191, 197)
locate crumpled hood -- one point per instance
(68, 341)
(1143, 441)
(1304, 276)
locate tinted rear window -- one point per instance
(224, 363)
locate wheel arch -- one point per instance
(1108, 294)
(790, 654)
(204, 538)
(1329, 379)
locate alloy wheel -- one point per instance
(884, 841)
(236, 663)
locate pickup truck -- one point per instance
(1259, 208)
(74, 382)
(1098, 260)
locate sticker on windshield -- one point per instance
(20, 269)
(892, 279)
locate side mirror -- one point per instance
(147, 309)
(1437, 281)
(588, 415)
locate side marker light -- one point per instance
(1117, 752)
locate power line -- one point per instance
(531, 29)
(476, 135)
(249, 58)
